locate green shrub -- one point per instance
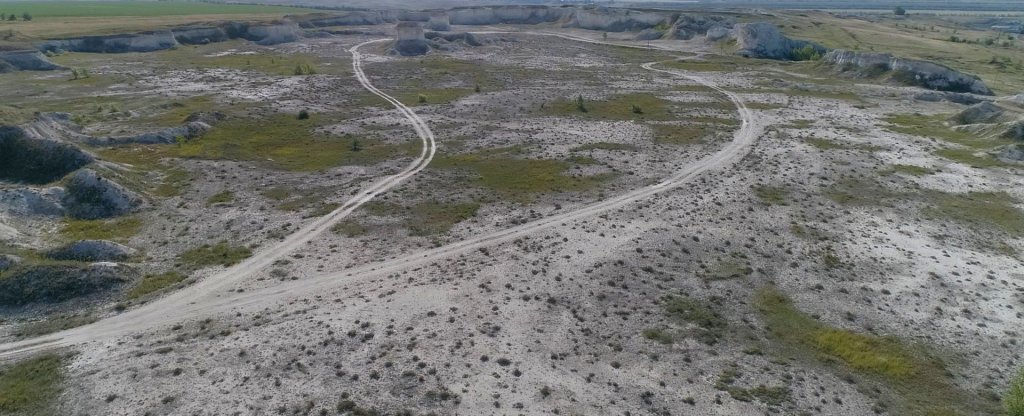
(806, 53)
(580, 105)
(305, 69)
(303, 115)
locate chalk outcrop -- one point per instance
(29, 60)
(907, 71)
(199, 35)
(764, 40)
(90, 196)
(139, 42)
(687, 27)
(27, 158)
(92, 251)
(953, 97)
(410, 39)
(439, 22)
(32, 202)
(515, 15)
(189, 131)
(273, 34)
(1015, 131)
(617, 20)
(985, 112)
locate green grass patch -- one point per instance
(284, 142)
(277, 193)
(52, 324)
(994, 211)
(859, 192)
(1013, 400)
(617, 107)
(225, 197)
(772, 195)
(349, 228)
(710, 325)
(31, 387)
(433, 96)
(918, 381)
(676, 134)
(519, 179)
(972, 149)
(119, 229)
(605, 146)
(154, 283)
(726, 269)
(432, 218)
(660, 336)
(912, 170)
(220, 254)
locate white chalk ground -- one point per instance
(566, 306)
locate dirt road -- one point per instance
(208, 297)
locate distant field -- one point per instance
(45, 9)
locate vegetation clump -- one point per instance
(221, 254)
(1013, 401)
(31, 387)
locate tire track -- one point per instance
(154, 314)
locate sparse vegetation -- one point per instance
(31, 387)
(772, 195)
(917, 379)
(119, 229)
(220, 254)
(225, 197)
(154, 283)
(710, 325)
(1013, 400)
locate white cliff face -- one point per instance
(409, 40)
(143, 42)
(611, 20)
(764, 40)
(439, 22)
(27, 61)
(909, 71)
(507, 15)
(274, 34)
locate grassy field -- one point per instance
(220, 254)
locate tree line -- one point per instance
(12, 17)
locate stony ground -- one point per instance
(667, 306)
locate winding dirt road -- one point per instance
(208, 297)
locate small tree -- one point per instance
(11, 17)
(476, 88)
(899, 11)
(356, 146)
(26, 17)
(580, 105)
(636, 109)
(604, 36)
(304, 115)
(1014, 399)
(422, 99)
